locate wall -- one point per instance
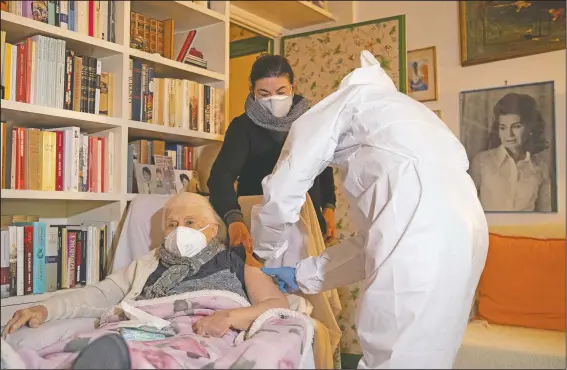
(436, 23)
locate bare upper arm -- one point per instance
(260, 286)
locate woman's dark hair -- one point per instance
(269, 65)
(526, 107)
(146, 170)
(183, 177)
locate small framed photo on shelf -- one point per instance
(422, 74)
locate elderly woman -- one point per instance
(190, 259)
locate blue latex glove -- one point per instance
(285, 277)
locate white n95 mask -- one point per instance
(186, 241)
(278, 105)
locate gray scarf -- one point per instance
(263, 118)
(179, 267)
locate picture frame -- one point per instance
(422, 74)
(498, 30)
(509, 135)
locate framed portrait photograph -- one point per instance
(509, 135)
(498, 30)
(422, 74)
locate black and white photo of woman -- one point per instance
(514, 173)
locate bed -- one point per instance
(141, 231)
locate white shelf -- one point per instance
(58, 195)
(165, 67)
(19, 28)
(286, 14)
(174, 134)
(186, 14)
(40, 116)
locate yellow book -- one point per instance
(8, 72)
(34, 164)
(48, 160)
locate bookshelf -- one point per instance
(66, 207)
(289, 15)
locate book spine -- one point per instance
(59, 255)
(91, 84)
(57, 13)
(84, 84)
(77, 83)
(28, 261)
(137, 91)
(39, 258)
(21, 158)
(130, 87)
(13, 256)
(84, 261)
(78, 254)
(71, 22)
(21, 73)
(91, 17)
(64, 14)
(59, 160)
(69, 82)
(51, 260)
(29, 56)
(98, 71)
(71, 249)
(51, 12)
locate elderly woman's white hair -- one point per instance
(202, 204)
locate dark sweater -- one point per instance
(249, 153)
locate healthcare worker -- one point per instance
(423, 237)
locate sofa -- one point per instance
(519, 315)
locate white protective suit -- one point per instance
(423, 236)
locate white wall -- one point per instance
(435, 23)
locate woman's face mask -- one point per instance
(278, 105)
(186, 241)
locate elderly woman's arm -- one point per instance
(263, 294)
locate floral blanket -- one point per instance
(276, 340)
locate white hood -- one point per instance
(368, 73)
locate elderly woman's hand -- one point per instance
(216, 325)
(32, 316)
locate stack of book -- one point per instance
(37, 257)
(60, 159)
(39, 70)
(151, 35)
(91, 18)
(174, 102)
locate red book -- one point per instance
(102, 164)
(29, 58)
(16, 133)
(59, 153)
(188, 41)
(28, 260)
(20, 160)
(90, 174)
(78, 255)
(21, 74)
(91, 17)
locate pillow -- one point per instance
(523, 283)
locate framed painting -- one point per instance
(422, 74)
(322, 58)
(509, 136)
(498, 30)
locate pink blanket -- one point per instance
(276, 340)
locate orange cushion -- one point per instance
(523, 283)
